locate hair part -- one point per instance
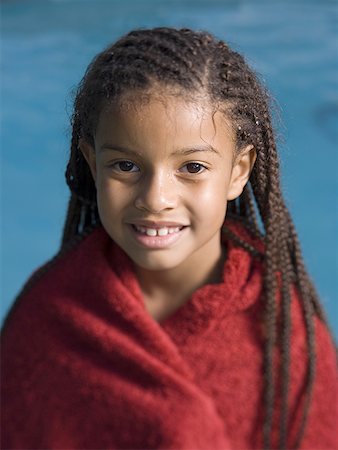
(191, 63)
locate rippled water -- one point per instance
(46, 46)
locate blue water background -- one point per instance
(45, 48)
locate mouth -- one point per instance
(163, 231)
(157, 238)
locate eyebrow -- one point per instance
(182, 151)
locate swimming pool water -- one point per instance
(46, 45)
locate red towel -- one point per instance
(86, 367)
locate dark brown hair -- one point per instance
(196, 62)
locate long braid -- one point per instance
(191, 63)
(72, 219)
(281, 261)
(271, 266)
(284, 263)
(307, 291)
(287, 277)
(82, 208)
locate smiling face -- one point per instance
(164, 170)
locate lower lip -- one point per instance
(157, 241)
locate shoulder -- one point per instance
(66, 268)
(315, 363)
(315, 328)
(320, 363)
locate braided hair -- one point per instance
(197, 62)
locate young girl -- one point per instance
(178, 313)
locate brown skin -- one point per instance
(160, 187)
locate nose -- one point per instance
(156, 192)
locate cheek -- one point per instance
(111, 196)
(209, 201)
(215, 189)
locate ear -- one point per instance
(241, 170)
(88, 153)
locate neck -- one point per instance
(169, 289)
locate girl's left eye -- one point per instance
(193, 167)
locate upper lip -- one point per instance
(156, 225)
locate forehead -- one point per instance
(165, 121)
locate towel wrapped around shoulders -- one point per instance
(85, 366)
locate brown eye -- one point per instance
(126, 166)
(194, 167)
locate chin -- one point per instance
(155, 262)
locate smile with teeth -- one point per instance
(157, 231)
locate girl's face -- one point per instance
(164, 171)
